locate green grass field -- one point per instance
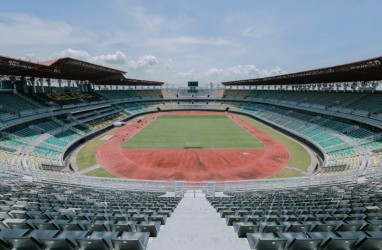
(212, 131)
(100, 172)
(87, 156)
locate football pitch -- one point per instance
(205, 131)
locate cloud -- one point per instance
(143, 62)
(77, 54)
(230, 73)
(24, 29)
(189, 40)
(117, 59)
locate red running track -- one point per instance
(191, 164)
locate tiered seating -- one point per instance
(165, 93)
(153, 94)
(362, 104)
(323, 217)
(133, 108)
(48, 126)
(9, 158)
(68, 135)
(370, 104)
(344, 159)
(236, 94)
(338, 126)
(217, 93)
(342, 153)
(331, 142)
(46, 152)
(115, 94)
(85, 129)
(101, 122)
(373, 145)
(11, 144)
(132, 94)
(27, 133)
(67, 98)
(282, 117)
(376, 160)
(15, 103)
(74, 217)
(55, 141)
(361, 133)
(264, 95)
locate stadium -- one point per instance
(183, 125)
(286, 165)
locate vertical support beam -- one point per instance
(13, 84)
(42, 85)
(49, 85)
(33, 81)
(78, 85)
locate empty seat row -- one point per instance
(315, 240)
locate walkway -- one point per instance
(84, 171)
(195, 224)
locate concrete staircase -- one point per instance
(195, 224)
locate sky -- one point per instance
(198, 40)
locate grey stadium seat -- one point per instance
(151, 227)
(242, 228)
(131, 241)
(265, 241)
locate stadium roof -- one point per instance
(366, 70)
(69, 69)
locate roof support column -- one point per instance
(345, 86)
(374, 86)
(88, 86)
(42, 85)
(33, 81)
(13, 84)
(49, 85)
(78, 85)
(59, 83)
(363, 86)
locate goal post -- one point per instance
(192, 144)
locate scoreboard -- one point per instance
(193, 84)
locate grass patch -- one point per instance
(299, 157)
(211, 131)
(87, 156)
(287, 173)
(100, 172)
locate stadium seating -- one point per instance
(80, 215)
(341, 140)
(321, 217)
(51, 216)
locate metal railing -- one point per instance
(180, 187)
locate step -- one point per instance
(195, 224)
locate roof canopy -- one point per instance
(366, 70)
(69, 69)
